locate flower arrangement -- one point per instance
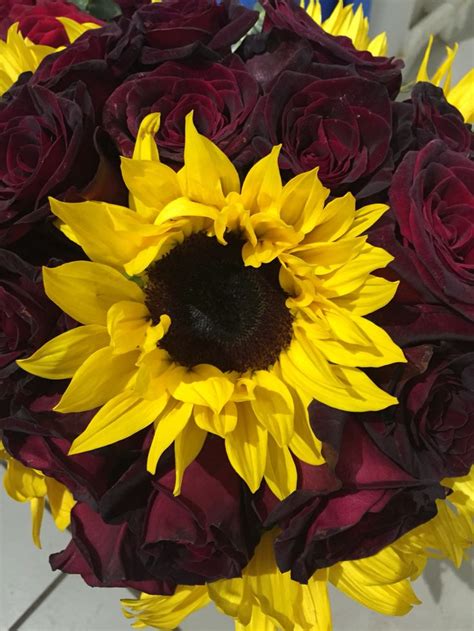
(237, 289)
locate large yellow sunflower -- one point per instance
(214, 307)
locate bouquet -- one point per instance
(237, 290)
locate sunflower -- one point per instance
(208, 306)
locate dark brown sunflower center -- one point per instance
(222, 313)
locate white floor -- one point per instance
(72, 606)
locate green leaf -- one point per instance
(101, 9)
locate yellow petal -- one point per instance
(60, 501)
(336, 219)
(100, 378)
(145, 145)
(374, 294)
(107, 233)
(63, 355)
(187, 446)
(125, 415)
(37, 511)
(86, 290)
(302, 201)
(304, 444)
(262, 186)
(364, 395)
(171, 423)
(221, 423)
(74, 29)
(127, 324)
(152, 185)
(462, 96)
(166, 612)
(208, 174)
(365, 217)
(246, 447)
(204, 385)
(280, 470)
(273, 406)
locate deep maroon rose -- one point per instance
(371, 503)
(428, 116)
(46, 147)
(287, 16)
(38, 20)
(222, 97)
(101, 58)
(341, 124)
(431, 431)
(175, 29)
(27, 318)
(432, 237)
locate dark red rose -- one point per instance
(370, 504)
(431, 431)
(46, 147)
(287, 16)
(101, 58)
(37, 20)
(428, 116)
(27, 318)
(222, 96)
(128, 7)
(175, 29)
(341, 124)
(432, 235)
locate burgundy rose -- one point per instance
(27, 318)
(428, 116)
(46, 147)
(432, 235)
(287, 16)
(38, 20)
(370, 504)
(175, 29)
(431, 431)
(222, 96)
(341, 124)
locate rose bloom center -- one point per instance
(222, 313)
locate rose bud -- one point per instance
(222, 96)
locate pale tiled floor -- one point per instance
(32, 598)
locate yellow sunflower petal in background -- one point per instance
(344, 20)
(29, 485)
(76, 29)
(462, 94)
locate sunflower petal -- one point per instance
(86, 290)
(273, 406)
(63, 355)
(246, 447)
(171, 423)
(204, 385)
(122, 416)
(100, 378)
(262, 186)
(187, 446)
(280, 470)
